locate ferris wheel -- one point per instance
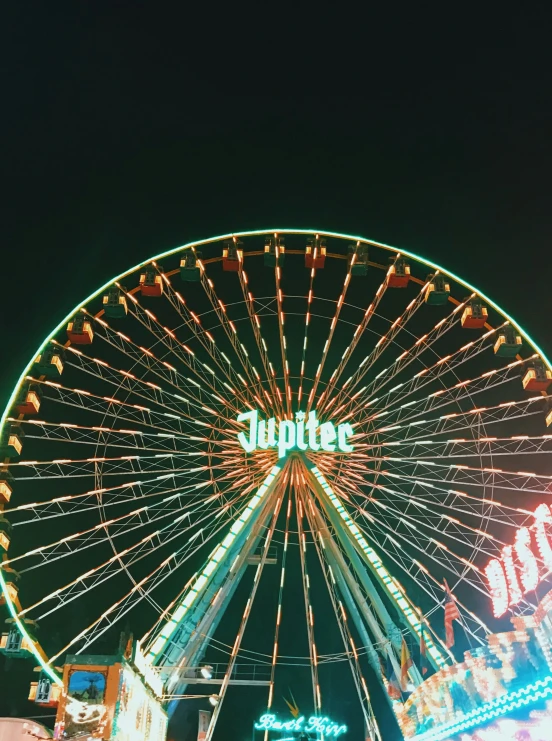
(273, 398)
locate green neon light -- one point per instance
(298, 435)
(220, 238)
(190, 597)
(385, 577)
(316, 724)
(532, 693)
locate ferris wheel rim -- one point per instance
(47, 668)
(261, 232)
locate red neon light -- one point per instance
(543, 518)
(497, 586)
(529, 565)
(517, 571)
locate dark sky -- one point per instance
(129, 128)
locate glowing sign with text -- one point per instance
(518, 572)
(322, 725)
(306, 433)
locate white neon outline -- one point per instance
(199, 243)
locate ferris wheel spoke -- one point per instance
(128, 382)
(123, 560)
(433, 549)
(121, 494)
(454, 474)
(135, 412)
(447, 525)
(447, 499)
(208, 342)
(426, 581)
(412, 568)
(423, 344)
(141, 589)
(121, 465)
(127, 412)
(167, 338)
(474, 444)
(193, 323)
(478, 417)
(391, 588)
(358, 334)
(417, 514)
(416, 535)
(274, 658)
(382, 535)
(113, 566)
(463, 390)
(333, 326)
(106, 530)
(244, 621)
(140, 356)
(274, 401)
(99, 499)
(477, 473)
(231, 332)
(451, 499)
(476, 448)
(382, 344)
(392, 402)
(305, 337)
(281, 330)
(433, 372)
(66, 432)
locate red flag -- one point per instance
(406, 663)
(451, 614)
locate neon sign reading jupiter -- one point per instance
(306, 433)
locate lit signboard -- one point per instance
(111, 700)
(138, 715)
(315, 724)
(305, 433)
(523, 565)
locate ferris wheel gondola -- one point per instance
(165, 433)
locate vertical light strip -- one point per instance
(308, 606)
(327, 344)
(190, 596)
(307, 322)
(281, 321)
(387, 580)
(279, 612)
(272, 398)
(370, 311)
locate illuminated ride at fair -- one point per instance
(269, 398)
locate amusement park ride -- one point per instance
(312, 401)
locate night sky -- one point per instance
(129, 128)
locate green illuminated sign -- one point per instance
(315, 724)
(302, 434)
